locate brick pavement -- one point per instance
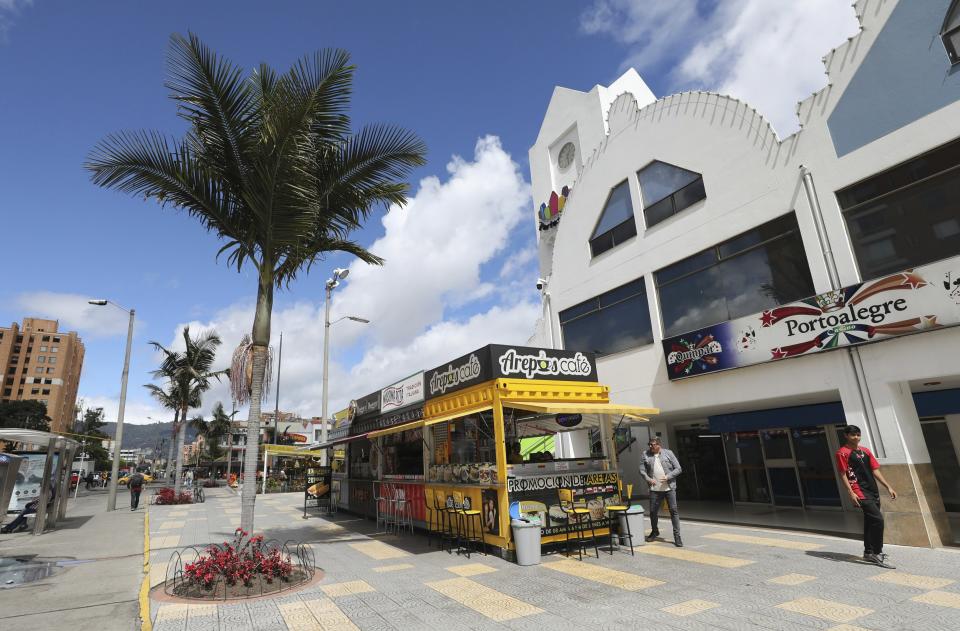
(727, 577)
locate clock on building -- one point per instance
(565, 157)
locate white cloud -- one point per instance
(75, 313)
(9, 9)
(138, 412)
(765, 52)
(436, 249)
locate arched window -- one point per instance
(616, 223)
(950, 32)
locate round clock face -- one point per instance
(565, 158)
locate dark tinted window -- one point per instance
(609, 323)
(667, 190)
(616, 223)
(747, 274)
(907, 216)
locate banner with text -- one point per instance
(922, 299)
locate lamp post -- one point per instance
(332, 283)
(118, 436)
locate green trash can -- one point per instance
(526, 540)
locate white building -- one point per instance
(687, 220)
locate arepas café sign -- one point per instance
(497, 361)
(917, 300)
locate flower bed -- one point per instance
(246, 567)
(166, 495)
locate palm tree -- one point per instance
(269, 164)
(213, 430)
(168, 399)
(191, 374)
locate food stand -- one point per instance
(498, 395)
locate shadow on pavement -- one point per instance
(839, 557)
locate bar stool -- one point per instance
(383, 506)
(614, 511)
(432, 514)
(575, 513)
(469, 531)
(446, 513)
(402, 510)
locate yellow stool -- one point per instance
(575, 512)
(467, 531)
(614, 511)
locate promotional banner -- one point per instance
(540, 494)
(497, 361)
(405, 392)
(29, 478)
(922, 299)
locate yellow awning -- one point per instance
(290, 450)
(457, 414)
(395, 429)
(614, 409)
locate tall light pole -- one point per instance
(332, 283)
(118, 436)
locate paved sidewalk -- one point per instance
(727, 577)
(97, 584)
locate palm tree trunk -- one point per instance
(181, 435)
(173, 442)
(261, 342)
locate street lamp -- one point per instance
(332, 283)
(118, 436)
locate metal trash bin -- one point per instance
(635, 515)
(526, 539)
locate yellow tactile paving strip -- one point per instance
(320, 614)
(169, 525)
(486, 601)
(168, 541)
(177, 513)
(694, 556)
(600, 574)
(791, 579)
(170, 613)
(345, 589)
(847, 627)
(825, 609)
(393, 568)
(298, 617)
(471, 569)
(378, 550)
(941, 599)
(763, 541)
(912, 580)
(690, 607)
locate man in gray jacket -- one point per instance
(660, 468)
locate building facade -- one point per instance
(42, 364)
(764, 292)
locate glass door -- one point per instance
(748, 476)
(943, 457)
(818, 477)
(781, 467)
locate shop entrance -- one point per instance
(705, 470)
(943, 457)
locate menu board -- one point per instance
(540, 495)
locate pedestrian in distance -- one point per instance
(136, 487)
(660, 469)
(860, 472)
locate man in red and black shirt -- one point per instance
(860, 472)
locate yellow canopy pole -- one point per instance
(500, 446)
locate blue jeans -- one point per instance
(656, 498)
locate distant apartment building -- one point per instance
(40, 363)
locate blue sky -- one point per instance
(473, 79)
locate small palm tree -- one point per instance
(213, 430)
(270, 164)
(169, 399)
(191, 374)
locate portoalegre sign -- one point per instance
(913, 301)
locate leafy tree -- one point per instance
(213, 430)
(90, 427)
(269, 163)
(170, 399)
(190, 373)
(24, 415)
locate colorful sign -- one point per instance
(514, 362)
(922, 299)
(404, 393)
(594, 491)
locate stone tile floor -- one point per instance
(727, 577)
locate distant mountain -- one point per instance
(146, 436)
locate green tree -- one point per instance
(94, 437)
(24, 415)
(269, 163)
(169, 398)
(213, 430)
(190, 374)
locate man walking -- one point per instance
(660, 469)
(136, 486)
(860, 472)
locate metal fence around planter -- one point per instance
(179, 584)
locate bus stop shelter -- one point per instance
(60, 452)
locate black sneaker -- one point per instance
(878, 560)
(677, 541)
(652, 536)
